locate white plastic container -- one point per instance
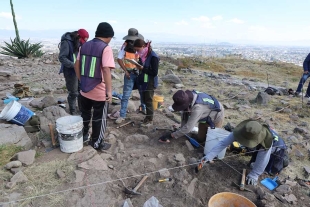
(16, 113)
(70, 133)
(214, 136)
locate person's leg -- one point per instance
(308, 91)
(72, 87)
(302, 82)
(148, 100)
(79, 96)
(86, 106)
(142, 104)
(127, 88)
(99, 123)
(202, 132)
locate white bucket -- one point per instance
(214, 136)
(70, 133)
(16, 113)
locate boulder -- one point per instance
(50, 115)
(170, 78)
(25, 157)
(262, 98)
(14, 134)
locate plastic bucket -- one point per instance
(158, 101)
(227, 199)
(16, 113)
(70, 133)
(214, 136)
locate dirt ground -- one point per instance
(135, 152)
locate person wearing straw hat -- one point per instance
(196, 107)
(126, 52)
(269, 150)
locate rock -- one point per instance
(227, 106)
(178, 86)
(60, 173)
(299, 130)
(294, 117)
(135, 95)
(291, 198)
(280, 197)
(47, 89)
(299, 154)
(5, 73)
(137, 138)
(293, 139)
(14, 134)
(15, 170)
(46, 143)
(111, 139)
(79, 176)
(179, 157)
(105, 156)
(120, 145)
(87, 153)
(193, 161)
(290, 183)
(10, 185)
(95, 163)
(19, 177)
(25, 157)
(111, 167)
(164, 173)
(262, 98)
(160, 155)
(173, 91)
(50, 115)
(170, 78)
(189, 145)
(114, 76)
(169, 71)
(131, 107)
(283, 189)
(36, 104)
(191, 187)
(307, 170)
(13, 164)
(48, 101)
(287, 111)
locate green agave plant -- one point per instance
(22, 49)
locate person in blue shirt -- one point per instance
(305, 76)
(269, 148)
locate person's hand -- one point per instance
(306, 72)
(165, 138)
(109, 97)
(127, 74)
(251, 181)
(139, 67)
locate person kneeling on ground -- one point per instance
(196, 107)
(269, 150)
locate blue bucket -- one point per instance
(16, 113)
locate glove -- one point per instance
(165, 138)
(251, 181)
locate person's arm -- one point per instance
(196, 113)
(306, 63)
(152, 70)
(260, 164)
(219, 147)
(63, 55)
(120, 58)
(108, 82)
(77, 69)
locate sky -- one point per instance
(283, 22)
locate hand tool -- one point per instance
(164, 180)
(243, 179)
(157, 128)
(52, 134)
(131, 122)
(193, 141)
(245, 189)
(134, 191)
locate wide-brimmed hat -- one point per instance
(182, 100)
(251, 133)
(133, 34)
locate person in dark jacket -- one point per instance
(305, 76)
(69, 47)
(147, 80)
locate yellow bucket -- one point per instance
(157, 101)
(227, 199)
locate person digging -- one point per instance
(195, 107)
(269, 150)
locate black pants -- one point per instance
(99, 119)
(73, 87)
(148, 99)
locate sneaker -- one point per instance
(104, 146)
(297, 94)
(119, 120)
(147, 124)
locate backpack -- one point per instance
(272, 91)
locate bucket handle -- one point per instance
(275, 179)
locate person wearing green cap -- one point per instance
(269, 148)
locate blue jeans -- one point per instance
(302, 82)
(127, 89)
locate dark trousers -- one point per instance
(73, 87)
(148, 99)
(99, 119)
(301, 84)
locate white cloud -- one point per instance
(8, 15)
(216, 18)
(236, 21)
(182, 23)
(201, 19)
